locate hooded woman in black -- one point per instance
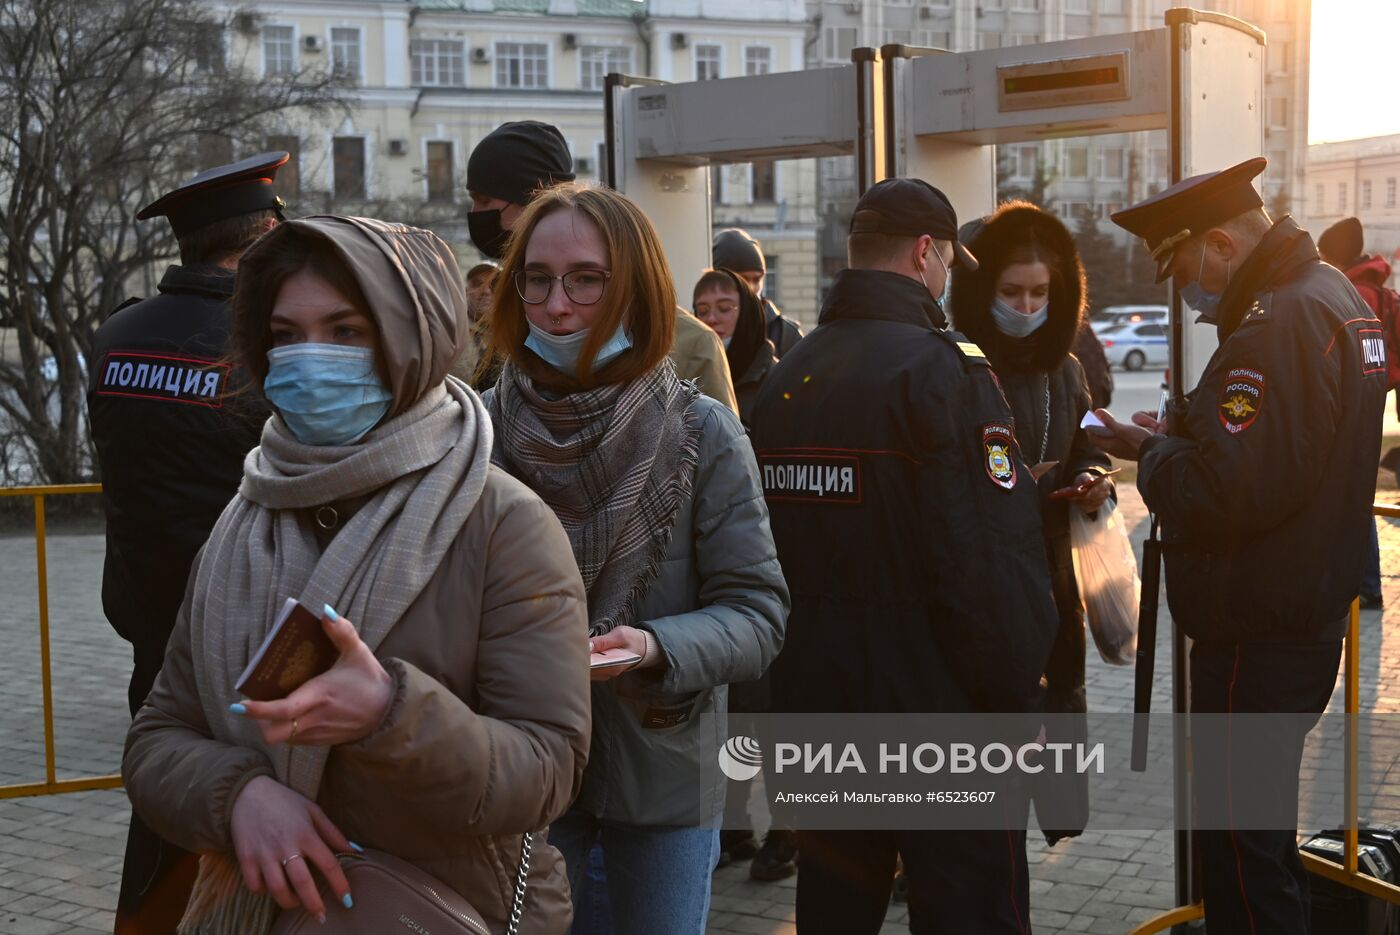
(1023, 305)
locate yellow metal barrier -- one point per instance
(51, 784)
(1345, 873)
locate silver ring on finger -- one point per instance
(287, 860)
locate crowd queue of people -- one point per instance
(481, 482)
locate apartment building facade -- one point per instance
(426, 81)
(1357, 178)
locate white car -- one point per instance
(1134, 346)
(1127, 314)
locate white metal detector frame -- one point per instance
(662, 138)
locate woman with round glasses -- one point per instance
(728, 304)
(657, 489)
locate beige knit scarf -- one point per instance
(422, 472)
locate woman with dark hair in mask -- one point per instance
(1022, 306)
(658, 490)
(454, 723)
(728, 304)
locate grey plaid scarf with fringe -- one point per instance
(615, 464)
(423, 472)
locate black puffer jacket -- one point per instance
(1045, 386)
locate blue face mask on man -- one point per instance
(328, 394)
(561, 351)
(1195, 295)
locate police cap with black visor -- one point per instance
(221, 193)
(1191, 207)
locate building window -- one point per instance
(209, 49)
(1023, 38)
(1363, 195)
(345, 54)
(439, 170)
(1111, 163)
(1077, 162)
(438, 63)
(1389, 193)
(839, 41)
(279, 50)
(758, 60)
(1111, 6)
(1278, 112)
(938, 39)
(213, 149)
(1321, 197)
(1342, 197)
(287, 184)
(522, 65)
(600, 169)
(1158, 166)
(1108, 209)
(772, 279)
(707, 62)
(1025, 4)
(1024, 161)
(1076, 6)
(765, 176)
(597, 61)
(348, 168)
(1074, 210)
(899, 37)
(1280, 54)
(989, 40)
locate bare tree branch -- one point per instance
(103, 106)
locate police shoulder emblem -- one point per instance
(1241, 399)
(997, 442)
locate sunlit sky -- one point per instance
(1355, 69)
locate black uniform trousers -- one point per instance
(1253, 881)
(960, 882)
(157, 876)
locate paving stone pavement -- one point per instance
(60, 856)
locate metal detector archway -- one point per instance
(662, 138)
(1200, 77)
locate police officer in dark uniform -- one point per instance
(1263, 481)
(172, 422)
(913, 549)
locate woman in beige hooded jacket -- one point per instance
(456, 719)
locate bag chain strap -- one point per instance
(1045, 437)
(517, 905)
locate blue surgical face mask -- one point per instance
(947, 293)
(1017, 324)
(328, 394)
(1195, 295)
(561, 351)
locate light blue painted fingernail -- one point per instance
(347, 902)
(329, 611)
(237, 708)
(356, 847)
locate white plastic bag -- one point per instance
(1107, 571)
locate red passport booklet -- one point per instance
(296, 649)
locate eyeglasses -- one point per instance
(584, 286)
(725, 309)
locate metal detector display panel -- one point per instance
(1076, 87)
(1221, 123)
(1066, 82)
